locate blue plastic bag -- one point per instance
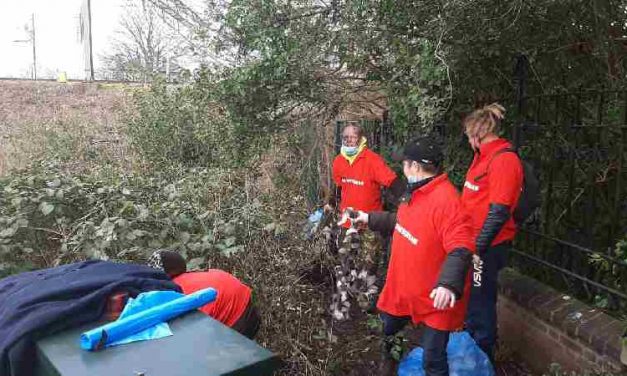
(315, 216)
(465, 358)
(143, 302)
(313, 221)
(122, 328)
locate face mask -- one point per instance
(349, 150)
(412, 179)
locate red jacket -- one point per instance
(501, 185)
(233, 296)
(428, 227)
(361, 182)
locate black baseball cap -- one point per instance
(425, 150)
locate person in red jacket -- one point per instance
(359, 175)
(432, 246)
(233, 306)
(490, 195)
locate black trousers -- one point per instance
(248, 324)
(481, 319)
(433, 342)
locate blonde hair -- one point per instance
(484, 120)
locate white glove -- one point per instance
(442, 298)
(344, 217)
(362, 217)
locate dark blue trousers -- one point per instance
(481, 320)
(433, 342)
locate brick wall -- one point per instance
(542, 326)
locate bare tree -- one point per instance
(180, 12)
(201, 25)
(144, 46)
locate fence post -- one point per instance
(520, 74)
(387, 136)
(338, 137)
(619, 176)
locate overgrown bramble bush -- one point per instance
(182, 125)
(48, 217)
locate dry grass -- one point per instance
(78, 124)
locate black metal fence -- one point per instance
(576, 142)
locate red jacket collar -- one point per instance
(430, 186)
(492, 146)
(362, 153)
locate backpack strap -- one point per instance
(498, 152)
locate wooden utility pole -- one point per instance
(91, 53)
(34, 49)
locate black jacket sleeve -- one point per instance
(454, 271)
(396, 190)
(497, 216)
(382, 222)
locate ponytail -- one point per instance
(484, 121)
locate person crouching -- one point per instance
(233, 306)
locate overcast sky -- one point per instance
(57, 35)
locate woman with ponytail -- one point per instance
(491, 192)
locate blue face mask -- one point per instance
(349, 150)
(412, 179)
